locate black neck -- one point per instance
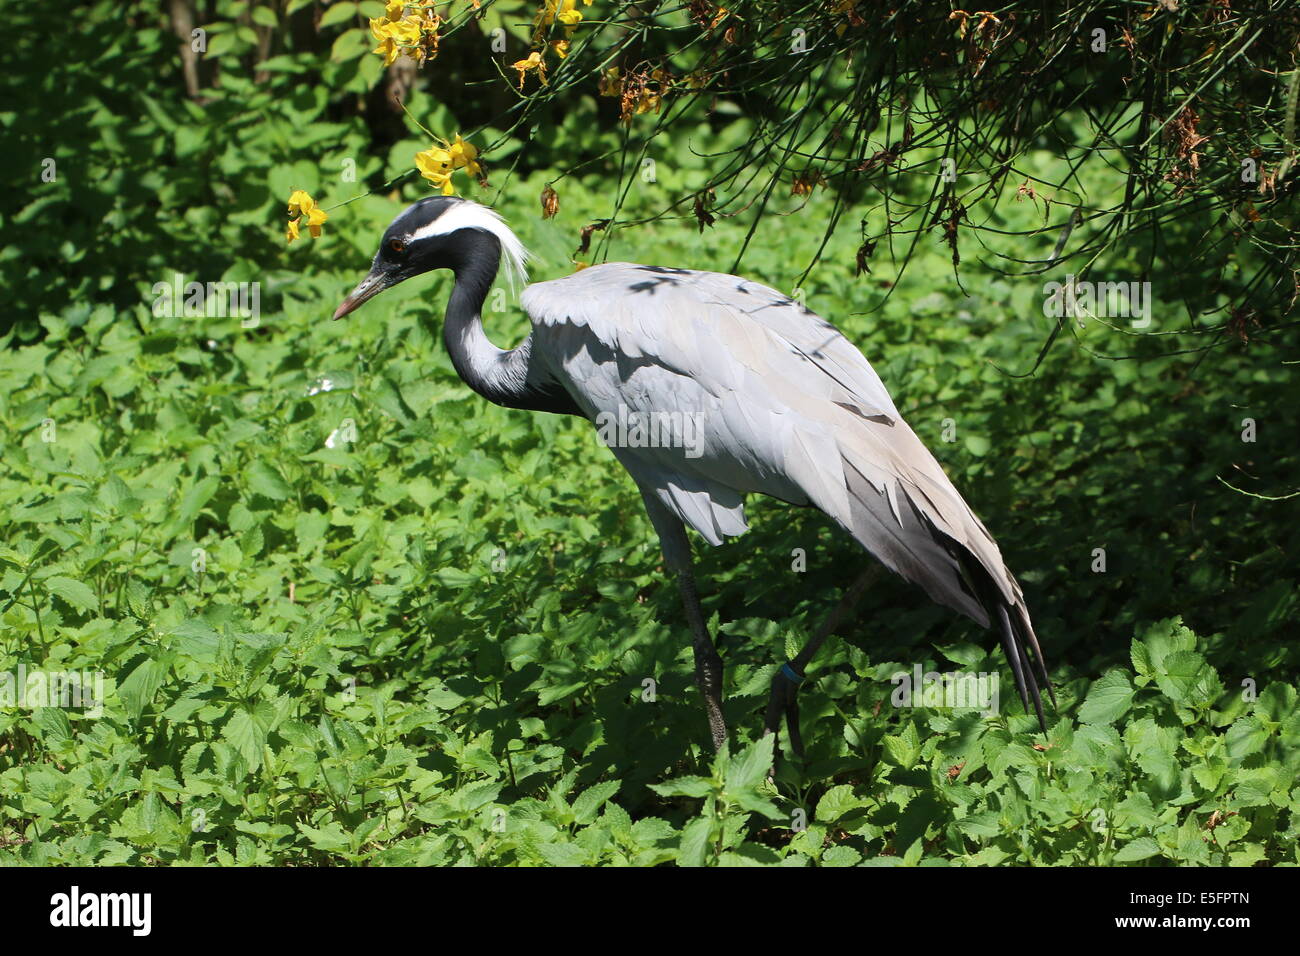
(503, 377)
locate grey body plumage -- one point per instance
(784, 404)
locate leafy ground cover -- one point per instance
(430, 644)
(346, 612)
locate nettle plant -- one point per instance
(345, 614)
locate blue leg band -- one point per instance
(791, 674)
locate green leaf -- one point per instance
(1209, 775)
(196, 496)
(1142, 848)
(1159, 641)
(248, 730)
(455, 577)
(422, 491)
(749, 769)
(684, 787)
(139, 687)
(338, 13)
(564, 854)
(904, 749)
(694, 847)
(265, 17)
(841, 856)
(589, 802)
(1188, 679)
(982, 825)
(137, 599)
(1108, 699)
(266, 481)
(1246, 736)
(53, 723)
(836, 802)
(74, 592)
(330, 838)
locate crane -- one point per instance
(716, 387)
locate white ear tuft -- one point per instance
(467, 214)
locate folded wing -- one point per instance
(768, 398)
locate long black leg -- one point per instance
(708, 665)
(784, 698)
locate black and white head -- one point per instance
(442, 232)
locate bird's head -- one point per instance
(440, 232)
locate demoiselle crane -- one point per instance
(780, 402)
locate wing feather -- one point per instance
(787, 407)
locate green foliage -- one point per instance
(431, 644)
(458, 673)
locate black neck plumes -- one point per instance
(502, 376)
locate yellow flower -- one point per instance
(415, 34)
(561, 48)
(435, 165)
(433, 162)
(533, 62)
(387, 48)
(442, 182)
(406, 32)
(314, 220)
(568, 15)
(301, 204)
(566, 11)
(464, 156)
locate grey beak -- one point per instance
(368, 288)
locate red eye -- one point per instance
(397, 245)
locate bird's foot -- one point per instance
(784, 702)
